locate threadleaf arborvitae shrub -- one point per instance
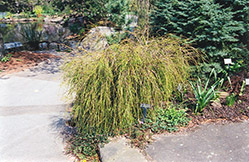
(108, 86)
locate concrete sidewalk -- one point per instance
(22, 91)
(32, 117)
(32, 137)
(208, 143)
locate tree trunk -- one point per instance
(1, 46)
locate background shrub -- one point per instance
(218, 27)
(117, 10)
(110, 85)
(32, 34)
(38, 10)
(49, 9)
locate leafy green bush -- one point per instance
(67, 10)
(117, 10)
(31, 34)
(235, 67)
(117, 38)
(38, 10)
(49, 9)
(9, 15)
(205, 95)
(26, 14)
(230, 100)
(110, 85)
(6, 58)
(169, 119)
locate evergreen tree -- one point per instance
(241, 10)
(117, 10)
(215, 28)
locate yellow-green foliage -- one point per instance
(110, 85)
(38, 10)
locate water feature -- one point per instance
(36, 35)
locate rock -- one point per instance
(96, 39)
(131, 22)
(216, 103)
(1, 46)
(53, 46)
(13, 45)
(43, 46)
(3, 25)
(223, 95)
(118, 151)
(3, 15)
(56, 20)
(73, 43)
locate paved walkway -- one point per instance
(32, 116)
(208, 143)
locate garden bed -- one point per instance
(182, 107)
(18, 61)
(237, 112)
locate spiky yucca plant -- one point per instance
(110, 85)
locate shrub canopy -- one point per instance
(110, 85)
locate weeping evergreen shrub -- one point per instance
(108, 86)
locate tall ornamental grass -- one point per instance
(108, 86)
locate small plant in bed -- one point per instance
(86, 146)
(19, 60)
(204, 95)
(38, 11)
(6, 58)
(166, 120)
(230, 100)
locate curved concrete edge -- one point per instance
(119, 151)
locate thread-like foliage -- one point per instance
(110, 85)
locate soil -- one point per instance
(20, 61)
(221, 112)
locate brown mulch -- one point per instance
(22, 60)
(238, 112)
